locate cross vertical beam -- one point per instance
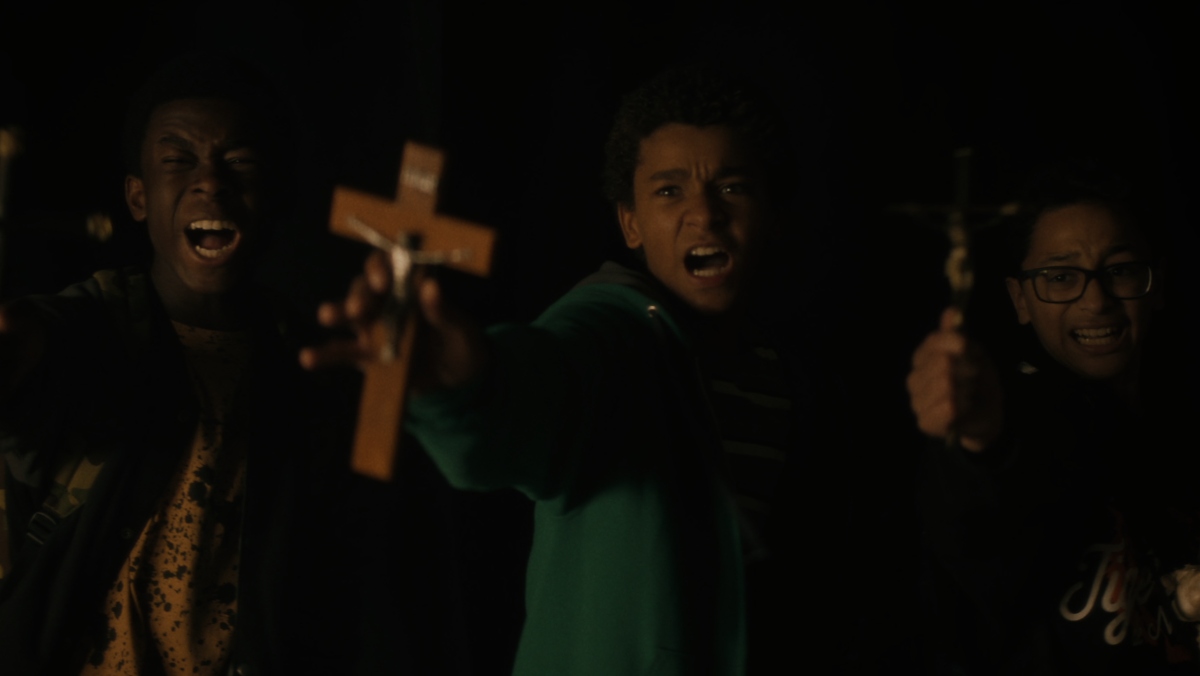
(413, 233)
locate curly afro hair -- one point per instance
(202, 75)
(700, 96)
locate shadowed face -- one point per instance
(1097, 337)
(199, 194)
(699, 213)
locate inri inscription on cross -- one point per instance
(411, 231)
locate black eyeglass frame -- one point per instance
(1088, 276)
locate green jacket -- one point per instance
(596, 411)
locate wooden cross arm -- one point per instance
(415, 234)
(467, 247)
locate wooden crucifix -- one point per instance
(411, 231)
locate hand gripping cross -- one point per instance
(411, 231)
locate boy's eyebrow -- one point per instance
(184, 144)
(669, 175)
(1060, 257)
(173, 140)
(1119, 248)
(1070, 256)
(726, 172)
(681, 174)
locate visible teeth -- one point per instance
(212, 225)
(212, 237)
(707, 261)
(212, 253)
(1100, 336)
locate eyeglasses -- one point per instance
(1064, 284)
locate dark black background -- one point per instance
(879, 95)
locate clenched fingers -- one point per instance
(953, 387)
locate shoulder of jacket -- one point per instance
(127, 294)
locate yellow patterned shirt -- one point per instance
(173, 606)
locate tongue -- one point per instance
(214, 239)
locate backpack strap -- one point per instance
(68, 492)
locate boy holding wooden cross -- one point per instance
(609, 410)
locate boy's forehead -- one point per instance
(1081, 229)
(228, 119)
(676, 144)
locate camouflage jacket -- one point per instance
(112, 398)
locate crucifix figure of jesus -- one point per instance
(412, 233)
(959, 271)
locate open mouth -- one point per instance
(213, 239)
(707, 261)
(1100, 337)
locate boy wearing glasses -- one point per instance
(1056, 541)
(1097, 329)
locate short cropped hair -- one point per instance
(699, 96)
(1069, 183)
(202, 75)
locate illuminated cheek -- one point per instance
(654, 255)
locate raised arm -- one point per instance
(518, 407)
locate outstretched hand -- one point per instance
(449, 351)
(953, 388)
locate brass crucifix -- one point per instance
(960, 272)
(411, 231)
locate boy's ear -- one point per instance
(135, 197)
(629, 226)
(1017, 294)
